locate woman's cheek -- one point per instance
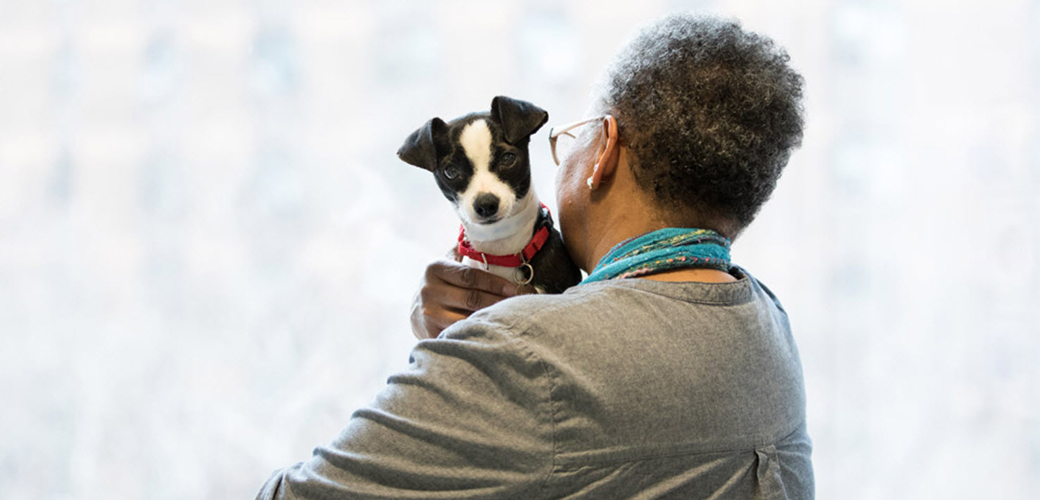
(570, 217)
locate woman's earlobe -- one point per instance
(591, 180)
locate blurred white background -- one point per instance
(208, 247)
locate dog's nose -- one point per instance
(486, 205)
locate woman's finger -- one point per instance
(464, 276)
(438, 320)
(447, 296)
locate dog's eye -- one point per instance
(451, 172)
(508, 159)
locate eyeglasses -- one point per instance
(563, 132)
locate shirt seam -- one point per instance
(552, 403)
(653, 456)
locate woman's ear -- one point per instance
(608, 154)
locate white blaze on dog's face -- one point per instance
(487, 198)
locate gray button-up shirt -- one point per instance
(618, 389)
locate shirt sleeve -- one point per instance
(470, 418)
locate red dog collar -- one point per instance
(515, 260)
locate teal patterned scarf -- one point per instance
(669, 248)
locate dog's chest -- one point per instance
(513, 274)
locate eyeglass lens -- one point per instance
(564, 143)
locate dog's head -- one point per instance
(480, 160)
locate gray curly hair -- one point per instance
(710, 114)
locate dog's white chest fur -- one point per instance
(510, 273)
(513, 274)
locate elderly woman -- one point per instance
(668, 372)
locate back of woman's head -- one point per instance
(710, 114)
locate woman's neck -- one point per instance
(694, 275)
(619, 229)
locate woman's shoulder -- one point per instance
(621, 301)
(522, 311)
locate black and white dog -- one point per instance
(481, 164)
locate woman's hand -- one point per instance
(451, 291)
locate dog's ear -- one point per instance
(421, 147)
(519, 119)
